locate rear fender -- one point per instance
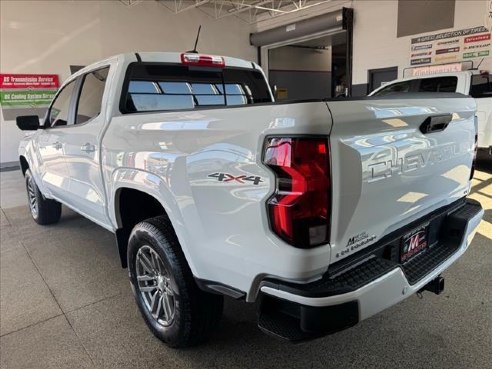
(156, 187)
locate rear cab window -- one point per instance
(481, 86)
(438, 84)
(167, 87)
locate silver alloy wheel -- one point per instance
(154, 285)
(31, 196)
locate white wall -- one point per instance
(375, 41)
(49, 36)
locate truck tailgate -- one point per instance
(388, 171)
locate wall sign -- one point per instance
(433, 69)
(27, 90)
(450, 47)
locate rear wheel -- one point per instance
(44, 211)
(172, 305)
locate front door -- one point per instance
(53, 170)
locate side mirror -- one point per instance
(28, 122)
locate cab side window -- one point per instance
(90, 98)
(60, 109)
(481, 86)
(395, 88)
(438, 84)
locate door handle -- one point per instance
(88, 148)
(57, 145)
(435, 123)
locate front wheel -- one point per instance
(43, 211)
(172, 305)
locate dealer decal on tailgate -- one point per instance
(414, 242)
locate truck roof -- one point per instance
(444, 74)
(161, 57)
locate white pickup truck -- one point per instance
(323, 212)
(477, 84)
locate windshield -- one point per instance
(481, 86)
(432, 84)
(166, 87)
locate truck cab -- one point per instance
(477, 84)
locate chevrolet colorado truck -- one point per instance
(477, 84)
(323, 213)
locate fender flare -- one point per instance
(152, 185)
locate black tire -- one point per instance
(196, 313)
(43, 211)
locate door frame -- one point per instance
(370, 72)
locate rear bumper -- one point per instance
(298, 312)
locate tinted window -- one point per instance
(438, 84)
(157, 86)
(59, 111)
(395, 88)
(90, 99)
(481, 86)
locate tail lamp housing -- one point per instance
(299, 210)
(475, 149)
(475, 152)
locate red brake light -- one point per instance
(202, 60)
(475, 152)
(299, 210)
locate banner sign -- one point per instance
(27, 90)
(451, 47)
(433, 69)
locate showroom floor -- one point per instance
(66, 303)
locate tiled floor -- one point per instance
(66, 303)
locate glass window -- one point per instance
(395, 88)
(60, 109)
(204, 89)
(481, 86)
(438, 84)
(159, 86)
(146, 102)
(175, 87)
(143, 87)
(90, 99)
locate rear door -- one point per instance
(388, 170)
(82, 149)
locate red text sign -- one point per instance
(477, 38)
(27, 81)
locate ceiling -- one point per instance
(246, 10)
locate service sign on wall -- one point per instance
(27, 90)
(450, 47)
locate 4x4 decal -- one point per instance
(226, 177)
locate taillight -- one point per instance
(475, 152)
(202, 60)
(299, 210)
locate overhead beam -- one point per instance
(181, 6)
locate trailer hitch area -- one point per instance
(436, 286)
